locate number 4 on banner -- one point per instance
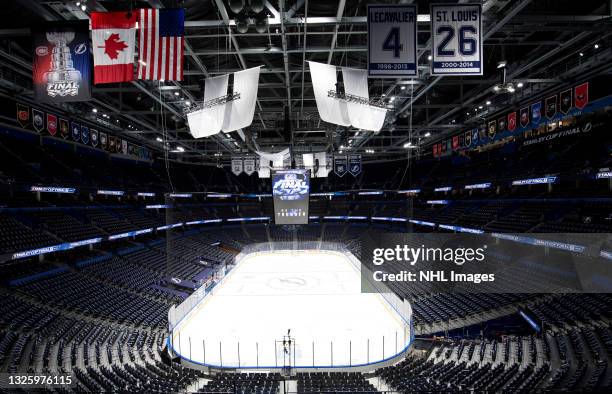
(392, 42)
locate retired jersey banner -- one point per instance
(51, 124)
(61, 69)
(94, 138)
(536, 112)
(475, 135)
(354, 165)
(340, 165)
(551, 106)
(581, 95)
(392, 40)
(38, 120)
(237, 166)
(76, 131)
(456, 32)
(565, 101)
(512, 121)
(85, 135)
(64, 128)
(124, 147)
(23, 115)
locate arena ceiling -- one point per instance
(544, 43)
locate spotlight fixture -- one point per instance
(261, 24)
(158, 139)
(428, 134)
(176, 93)
(95, 110)
(429, 57)
(519, 85)
(488, 102)
(596, 46)
(501, 64)
(236, 5)
(581, 54)
(242, 23)
(257, 5)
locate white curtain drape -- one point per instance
(239, 113)
(324, 79)
(208, 121)
(362, 116)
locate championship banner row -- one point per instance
(528, 116)
(57, 126)
(456, 40)
(342, 164)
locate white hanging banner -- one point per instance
(456, 39)
(208, 121)
(362, 116)
(240, 112)
(324, 79)
(392, 40)
(340, 165)
(237, 166)
(249, 166)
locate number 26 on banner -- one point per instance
(456, 39)
(392, 40)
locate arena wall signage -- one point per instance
(392, 41)
(456, 38)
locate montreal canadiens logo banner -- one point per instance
(61, 69)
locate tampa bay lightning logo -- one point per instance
(290, 186)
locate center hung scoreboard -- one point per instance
(291, 192)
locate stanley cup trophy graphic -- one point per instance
(62, 78)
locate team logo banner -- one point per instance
(340, 165)
(512, 121)
(64, 128)
(76, 131)
(111, 143)
(124, 147)
(103, 141)
(62, 63)
(237, 166)
(536, 112)
(456, 142)
(354, 165)
(392, 40)
(249, 166)
(85, 134)
(38, 120)
(565, 101)
(475, 135)
(482, 131)
(51, 124)
(551, 106)
(456, 32)
(23, 115)
(501, 124)
(94, 138)
(524, 117)
(581, 95)
(467, 139)
(492, 129)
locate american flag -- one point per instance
(161, 44)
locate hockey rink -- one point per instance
(315, 294)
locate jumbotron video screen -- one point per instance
(291, 191)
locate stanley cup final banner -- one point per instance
(61, 69)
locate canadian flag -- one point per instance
(114, 41)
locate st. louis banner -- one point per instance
(456, 39)
(392, 40)
(249, 166)
(61, 68)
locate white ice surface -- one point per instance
(316, 294)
